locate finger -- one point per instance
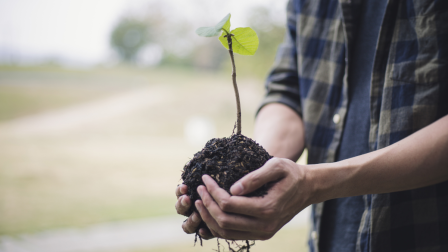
(223, 233)
(254, 206)
(219, 195)
(181, 190)
(191, 225)
(272, 170)
(231, 221)
(205, 234)
(206, 217)
(226, 202)
(183, 205)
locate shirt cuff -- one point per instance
(289, 101)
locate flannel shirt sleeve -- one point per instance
(282, 84)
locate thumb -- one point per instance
(271, 171)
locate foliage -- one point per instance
(129, 37)
(244, 40)
(224, 24)
(183, 49)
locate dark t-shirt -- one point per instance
(341, 217)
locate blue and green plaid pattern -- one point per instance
(409, 91)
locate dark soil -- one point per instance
(226, 160)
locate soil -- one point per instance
(226, 160)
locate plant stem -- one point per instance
(235, 86)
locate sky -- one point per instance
(76, 32)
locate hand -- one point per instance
(255, 218)
(183, 205)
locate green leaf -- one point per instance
(224, 40)
(215, 30)
(244, 42)
(226, 26)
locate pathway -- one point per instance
(114, 236)
(61, 120)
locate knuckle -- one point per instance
(279, 164)
(224, 204)
(254, 178)
(190, 227)
(178, 208)
(225, 234)
(223, 222)
(214, 233)
(205, 202)
(181, 211)
(268, 212)
(276, 161)
(270, 228)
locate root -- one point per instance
(196, 238)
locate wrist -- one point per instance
(317, 183)
(328, 181)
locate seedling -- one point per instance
(243, 41)
(227, 160)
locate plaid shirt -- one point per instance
(409, 90)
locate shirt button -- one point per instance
(314, 235)
(336, 118)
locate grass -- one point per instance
(124, 167)
(29, 90)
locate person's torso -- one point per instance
(407, 92)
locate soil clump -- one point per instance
(226, 160)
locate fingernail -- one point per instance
(195, 218)
(237, 189)
(183, 201)
(183, 190)
(198, 206)
(200, 191)
(202, 233)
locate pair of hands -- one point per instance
(236, 217)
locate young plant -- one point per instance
(243, 41)
(227, 160)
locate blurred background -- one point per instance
(101, 105)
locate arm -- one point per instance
(418, 160)
(279, 129)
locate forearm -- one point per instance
(416, 161)
(280, 131)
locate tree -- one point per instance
(128, 37)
